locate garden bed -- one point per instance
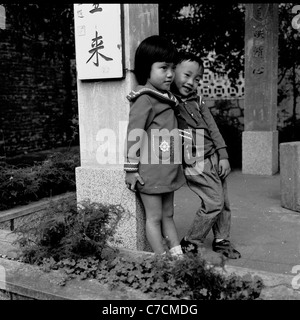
(24, 281)
(74, 241)
(133, 275)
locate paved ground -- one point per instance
(267, 235)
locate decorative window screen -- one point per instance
(216, 87)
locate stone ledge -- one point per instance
(33, 208)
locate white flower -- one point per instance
(164, 146)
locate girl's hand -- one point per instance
(224, 168)
(131, 178)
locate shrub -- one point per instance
(68, 230)
(53, 176)
(162, 277)
(189, 278)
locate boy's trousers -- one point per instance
(214, 211)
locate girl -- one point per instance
(150, 166)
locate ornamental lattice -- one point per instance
(217, 87)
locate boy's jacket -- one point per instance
(194, 114)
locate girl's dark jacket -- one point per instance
(153, 146)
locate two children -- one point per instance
(153, 108)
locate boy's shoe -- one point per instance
(226, 248)
(188, 246)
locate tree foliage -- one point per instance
(220, 27)
(288, 40)
(289, 62)
(52, 23)
(203, 27)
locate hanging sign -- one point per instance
(98, 41)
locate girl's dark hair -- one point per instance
(186, 56)
(152, 49)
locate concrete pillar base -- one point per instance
(290, 175)
(260, 152)
(107, 186)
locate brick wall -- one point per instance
(35, 107)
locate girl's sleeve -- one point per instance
(214, 130)
(138, 116)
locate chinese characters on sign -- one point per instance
(260, 17)
(97, 45)
(98, 41)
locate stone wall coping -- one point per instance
(292, 143)
(30, 208)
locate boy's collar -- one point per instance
(192, 96)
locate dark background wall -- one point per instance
(38, 97)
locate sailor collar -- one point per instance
(193, 97)
(168, 97)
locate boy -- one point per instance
(206, 180)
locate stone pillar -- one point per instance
(104, 109)
(260, 138)
(290, 175)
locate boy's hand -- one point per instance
(131, 178)
(224, 168)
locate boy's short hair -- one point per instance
(186, 56)
(152, 49)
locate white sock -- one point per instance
(218, 240)
(176, 250)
